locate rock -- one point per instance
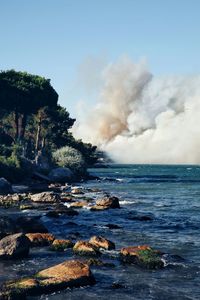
(143, 256)
(7, 226)
(61, 245)
(62, 209)
(45, 197)
(79, 204)
(40, 239)
(140, 217)
(86, 249)
(99, 263)
(101, 242)
(30, 224)
(77, 191)
(14, 246)
(68, 274)
(52, 214)
(5, 186)
(61, 175)
(106, 203)
(117, 285)
(113, 226)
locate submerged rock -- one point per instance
(62, 209)
(61, 245)
(30, 224)
(45, 197)
(143, 256)
(40, 239)
(79, 204)
(14, 246)
(68, 274)
(101, 242)
(86, 249)
(7, 226)
(5, 186)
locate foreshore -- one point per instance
(23, 232)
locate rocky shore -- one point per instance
(23, 230)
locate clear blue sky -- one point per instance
(54, 37)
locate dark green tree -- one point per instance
(24, 94)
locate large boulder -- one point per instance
(5, 186)
(143, 256)
(101, 242)
(7, 226)
(68, 274)
(45, 197)
(14, 246)
(61, 175)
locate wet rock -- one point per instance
(7, 226)
(52, 214)
(86, 249)
(61, 175)
(68, 274)
(99, 263)
(10, 200)
(143, 256)
(117, 285)
(77, 191)
(61, 245)
(30, 224)
(40, 239)
(5, 186)
(14, 246)
(113, 226)
(79, 204)
(62, 209)
(106, 203)
(26, 207)
(101, 242)
(140, 217)
(45, 197)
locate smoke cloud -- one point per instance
(139, 118)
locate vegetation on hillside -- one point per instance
(32, 123)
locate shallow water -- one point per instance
(170, 196)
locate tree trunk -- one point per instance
(37, 145)
(16, 125)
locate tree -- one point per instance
(24, 94)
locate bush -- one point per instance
(71, 158)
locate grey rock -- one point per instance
(14, 246)
(61, 175)
(5, 186)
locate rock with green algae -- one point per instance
(69, 274)
(84, 248)
(61, 245)
(143, 256)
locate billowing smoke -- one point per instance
(143, 119)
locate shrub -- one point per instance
(71, 158)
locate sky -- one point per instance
(69, 41)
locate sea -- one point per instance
(160, 207)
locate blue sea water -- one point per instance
(160, 207)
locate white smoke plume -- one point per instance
(142, 119)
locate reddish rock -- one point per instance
(40, 239)
(86, 249)
(143, 256)
(101, 242)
